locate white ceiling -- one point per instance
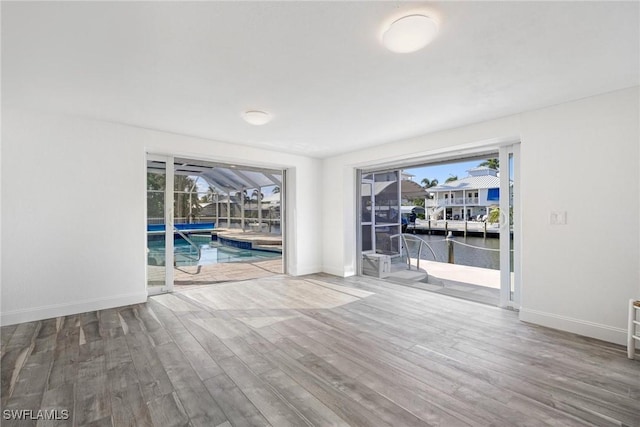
(317, 67)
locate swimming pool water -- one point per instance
(211, 252)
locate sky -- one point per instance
(439, 172)
(442, 172)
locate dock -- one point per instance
(457, 228)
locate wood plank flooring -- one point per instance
(312, 351)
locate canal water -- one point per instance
(477, 256)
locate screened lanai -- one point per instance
(225, 221)
(230, 196)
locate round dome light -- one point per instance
(256, 117)
(410, 33)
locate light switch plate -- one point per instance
(558, 218)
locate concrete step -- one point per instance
(400, 273)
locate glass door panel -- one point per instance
(367, 242)
(509, 228)
(379, 220)
(156, 254)
(386, 201)
(366, 213)
(384, 243)
(159, 225)
(387, 198)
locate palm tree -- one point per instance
(257, 195)
(185, 204)
(155, 195)
(452, 178)
(491, 164)
(209, 196)
(276, 189)
(426, 183)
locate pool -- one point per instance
(211, 252)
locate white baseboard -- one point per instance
(576, 326)
(338, 271)
(305, 270)
(56, 310)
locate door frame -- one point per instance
(168, 221)
(509, 156)
(169, 160)
(510, 286)
(372, 223)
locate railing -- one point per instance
(405, 245)
(458, 201)
(191, 243)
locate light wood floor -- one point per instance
(313, 351)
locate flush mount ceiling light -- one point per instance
(256, 117)
(409, 33)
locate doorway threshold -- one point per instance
(476, 284)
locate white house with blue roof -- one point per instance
(468, 198)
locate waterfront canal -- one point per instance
(480, 252)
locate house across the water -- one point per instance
(468, 198)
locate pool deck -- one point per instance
(187, 277)
(259, 241)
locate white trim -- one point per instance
(417, 159)
(505, 235)
(313, 269)
(169, 177)
(169, 253)
(576, 326)
(218, 158)
(517, 229)
(339, 271)
(444, 154)
(83, 306)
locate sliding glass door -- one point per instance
(386, 209)
(160, 197)
(509, 227)
(469, 224)
(379, 214)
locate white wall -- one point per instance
(73, 210)
(577, 277)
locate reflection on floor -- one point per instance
(317, 350)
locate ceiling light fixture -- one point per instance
(409, 33)
(256, 117)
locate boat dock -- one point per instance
(458, 228)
